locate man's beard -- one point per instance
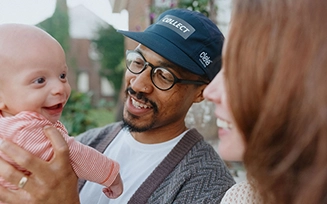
(132, 127)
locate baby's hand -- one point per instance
(116, 188)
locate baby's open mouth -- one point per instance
(59, 105)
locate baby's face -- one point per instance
(35, 79)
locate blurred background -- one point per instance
(95, 52)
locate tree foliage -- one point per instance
(200, 5)
(75, 116)
(58, 25)
(110, 45)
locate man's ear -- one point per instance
(199, 96)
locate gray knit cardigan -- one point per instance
(191, 173)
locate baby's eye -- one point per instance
(63, 76)
(40, 80)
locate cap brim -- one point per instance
(164, 48)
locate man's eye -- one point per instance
(164, 75)
(63, 76)
(138, 63)
(39, 80)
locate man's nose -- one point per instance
(142, 82)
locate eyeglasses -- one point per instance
(161, 77)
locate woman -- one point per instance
(275, 69)
(231, 144)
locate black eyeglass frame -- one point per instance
(153, 68)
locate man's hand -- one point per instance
(51, 182)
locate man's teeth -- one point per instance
(224, 124)
(138, 104)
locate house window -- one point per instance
(106, 87)
(83, 82)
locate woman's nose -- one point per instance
(214, 91)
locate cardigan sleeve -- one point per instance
(208, 178)
(200, 177)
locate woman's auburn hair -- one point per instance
(276, 77)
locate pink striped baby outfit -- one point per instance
(26, 130)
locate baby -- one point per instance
(33, 92)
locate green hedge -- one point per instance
(76, 115)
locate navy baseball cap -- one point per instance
(186, 38)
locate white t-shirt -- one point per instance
(137, 161)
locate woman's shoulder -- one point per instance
(240, 193)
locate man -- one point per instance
(162, 161)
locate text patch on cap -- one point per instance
(178, 25)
